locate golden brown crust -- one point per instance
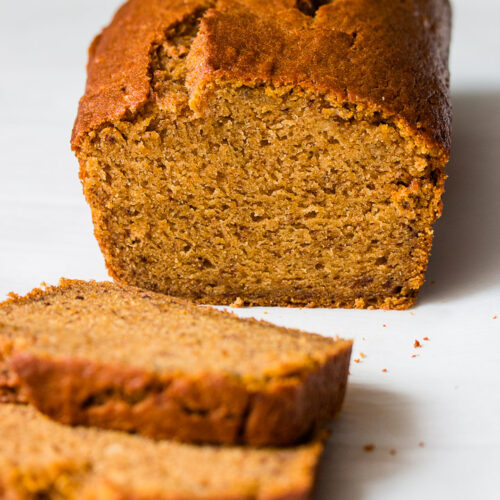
(119, 59)
(388, 57)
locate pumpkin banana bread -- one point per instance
(40, 458)
(118, 357)
(279, 152)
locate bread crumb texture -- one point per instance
(285, 152)
(118, 357)
(43, 459)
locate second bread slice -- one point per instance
(117, 357)
(41, 459)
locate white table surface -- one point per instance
(446, 398)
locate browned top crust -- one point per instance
(119, 59)
(388, 57)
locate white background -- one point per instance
(448, 397)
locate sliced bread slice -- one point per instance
(117, 357)
(40, 458)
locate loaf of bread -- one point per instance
(43, 459)
(117, 357)
(274, 152)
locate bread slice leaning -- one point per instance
(117, 357)
(44, 459)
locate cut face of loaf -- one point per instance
(121, 358)
(267, 151)
(42, 459)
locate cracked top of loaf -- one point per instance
(381, 58)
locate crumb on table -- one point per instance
(238, 303)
